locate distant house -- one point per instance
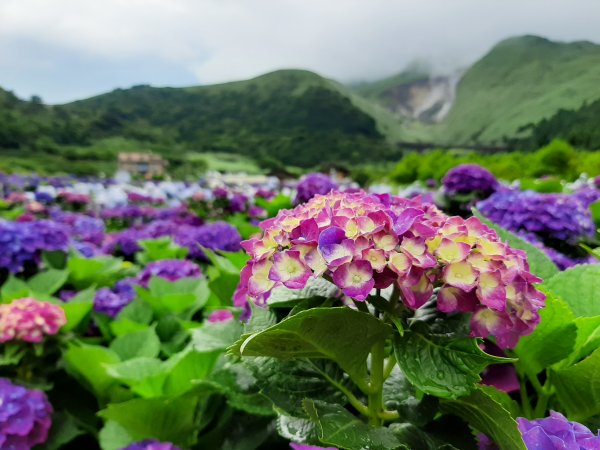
(146, 165)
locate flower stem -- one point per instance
(389, 366)
(376, 395)
(358, 405)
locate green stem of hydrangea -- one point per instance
(377, 379)
(355, 402)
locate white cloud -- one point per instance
(220, 40)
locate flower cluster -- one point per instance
(220, 315)
(556, 432)
(151, 444)
(111, 301)
(469, 178)
(29, 320)
(169, 269)
(313, 184)
(216, 236)
(25, 416)
(22, 242)
(362, 241)
(554, 217)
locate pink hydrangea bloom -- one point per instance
(29, 320)
(361, 241)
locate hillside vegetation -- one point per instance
(525, 92)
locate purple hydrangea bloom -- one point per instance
(83, 228)
(554, 217)
(215, 236)
(238, 203)
(25, 416)
(21, 242)
(169, 269)
(313, 184)
(587, 195)
(151, 444)
(556, 432)
(112, 301)
(469, 178)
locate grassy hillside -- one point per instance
(292, 116)
(521, 80)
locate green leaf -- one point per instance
(98, 271)
(166, 419)
(186, 369)
(134, 317)
(552, 340)
(64, 430)
(159, 249)
(78, 310)
(138, 343)
(297, 430)
(342, 335)
(87, 363)
(539, 263)
(588, 337)
(287, 383)
(145, 376)
(215, 336)
(48, 282)
(175, 296)
(336, 426)
(55, 260)
(113, 436)
(578, 287)
(14, 288)
(487, 415)
(238, 385)
(577, 388)
(400, 395)
(440, 365)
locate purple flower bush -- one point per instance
(362, 242)
(25, 416)
(556, 432)
(171, 270)
(313, 184)
(111, 301)
(22, 242)
(151, 444)
(469, 178)
(215, 236)
(558, 217)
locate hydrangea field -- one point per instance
(303, 314)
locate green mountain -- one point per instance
(290, 116)
(521, 80)
(524, 92)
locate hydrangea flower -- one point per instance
(169, 269)
(25, 416)
(112, 301)
(215, 236)
(469, 178)
(29, 320)
(313, 184)
(151, 444)
(554, 217)
(22, 242)
(361, 242)
(556, 432)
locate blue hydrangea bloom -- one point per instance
(313, 184)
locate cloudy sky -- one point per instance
(68, 49)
